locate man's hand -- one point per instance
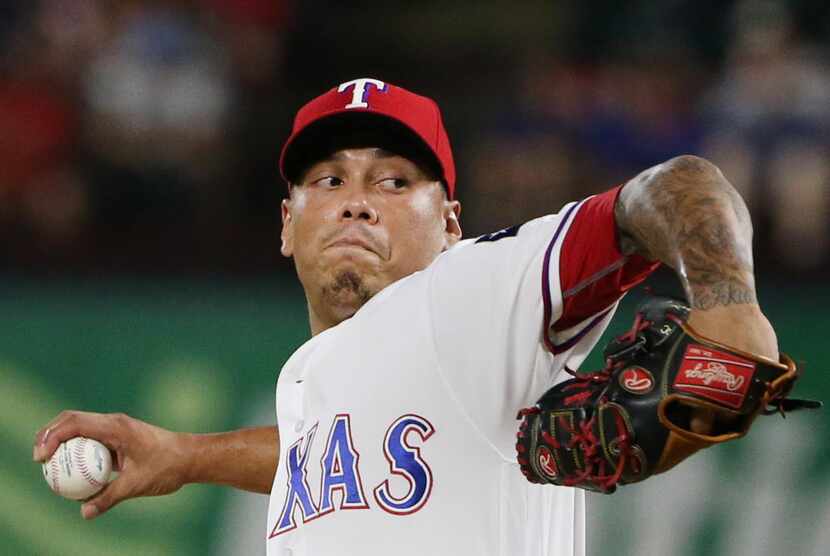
(151, 461)
(742, 327)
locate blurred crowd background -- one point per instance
(141, 136)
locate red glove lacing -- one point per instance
(595, 468)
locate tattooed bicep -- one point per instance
(686, 214)
(628, 244)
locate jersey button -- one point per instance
(298, 427)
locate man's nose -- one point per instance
(358, 209)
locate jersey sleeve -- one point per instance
(510, 309)
(592, 273)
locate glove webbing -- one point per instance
(582, 433)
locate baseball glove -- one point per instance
(632, 419)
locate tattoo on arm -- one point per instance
(686, 214)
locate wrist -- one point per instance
(187, 450)
(743, 327)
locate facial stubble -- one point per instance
(347, 290)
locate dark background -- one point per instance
(140, 138)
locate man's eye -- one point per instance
(393, 183)
(328, 181)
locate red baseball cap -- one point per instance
(369, 103)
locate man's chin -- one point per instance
(346, 293)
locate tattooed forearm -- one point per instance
(686, 214)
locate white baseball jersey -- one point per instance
(398, 426)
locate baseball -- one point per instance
(79, 468)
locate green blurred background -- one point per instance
(185, 356)
(205, 356)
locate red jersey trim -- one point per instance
(546, 300)
(593, 272)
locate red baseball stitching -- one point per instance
(81, 461)
(53, 465)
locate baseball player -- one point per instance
(396, 421)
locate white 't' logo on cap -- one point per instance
(361, 90)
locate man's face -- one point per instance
(359, 220)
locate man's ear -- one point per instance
(452, 226)
(287, 234)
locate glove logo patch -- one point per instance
(636, 380)
(715, 375)
(546, 462)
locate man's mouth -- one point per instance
(352, 240)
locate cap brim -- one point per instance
(354, 129)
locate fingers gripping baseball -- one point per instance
(68, 424)
(150, 460)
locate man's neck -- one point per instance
(321, 322)
(316, 324)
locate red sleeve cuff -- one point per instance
(593, 272)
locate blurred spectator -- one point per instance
(144, 133)
(517, 177)
(158, 97)
(71, 32)
(530, 161)
(41, 193)
(254, 33)
(769, 119)
(578, 129)
(643, 110)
